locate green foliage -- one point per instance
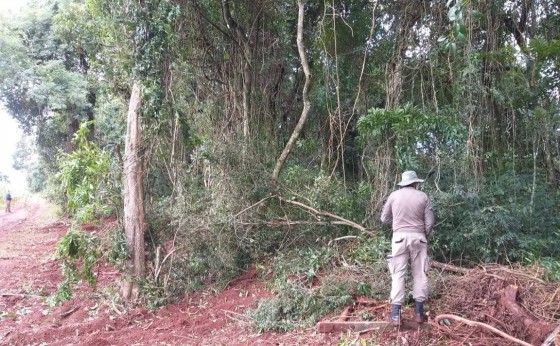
(458, 33)
(411, 132)
(79, 253)
(298, 302)
(82, 175)
(62, 294)
(312, 282)
(116, 248)
(77, 246)
(503, 222)
(371, 251)
(36, 178)
(325, 192)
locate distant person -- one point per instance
(8, 202)
(410, 213)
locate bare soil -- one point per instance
(29, 273)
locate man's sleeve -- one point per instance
(387, 213)
(428, 217)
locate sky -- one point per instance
(6, 5)
(10, 133)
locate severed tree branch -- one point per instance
(282, 223)
(449, 268)
(342, 221)
(481, 325)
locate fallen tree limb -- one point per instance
(355, 326)
(283, 223)
(69, 312)
(341, 220)
(518, 273)
(481, 325)
(449, 267)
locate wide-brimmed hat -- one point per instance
(409, 177)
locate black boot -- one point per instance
(395, 318)
(419, 315)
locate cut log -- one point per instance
(343, 326)
(553, 339)
(536, 329)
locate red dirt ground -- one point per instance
(29, 272)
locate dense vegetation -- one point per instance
(464, 92)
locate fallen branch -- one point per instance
(341, 220)
(252, 206)
(19, 295)
(449, 267)
(518, 273)
(459, 270)
(69, 312)
(283, 223)
(483, 326)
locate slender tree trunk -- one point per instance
(306, 103)
(246, 96)
(409, 16)
(134, 225)
(238, 32)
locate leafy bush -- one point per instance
(82, 175)
(412, 133)
(79, 253)
(503, 222)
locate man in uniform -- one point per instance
(409, 210)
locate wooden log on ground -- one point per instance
(553, 339)
(343, 326)
(536, 329)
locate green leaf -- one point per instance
(452, 14)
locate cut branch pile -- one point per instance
(492, 300)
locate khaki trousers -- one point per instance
(409, 248)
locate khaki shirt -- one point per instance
(409, 210)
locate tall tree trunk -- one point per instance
(134, 225)
(241, 38)
(409, 16)
(306, 103)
